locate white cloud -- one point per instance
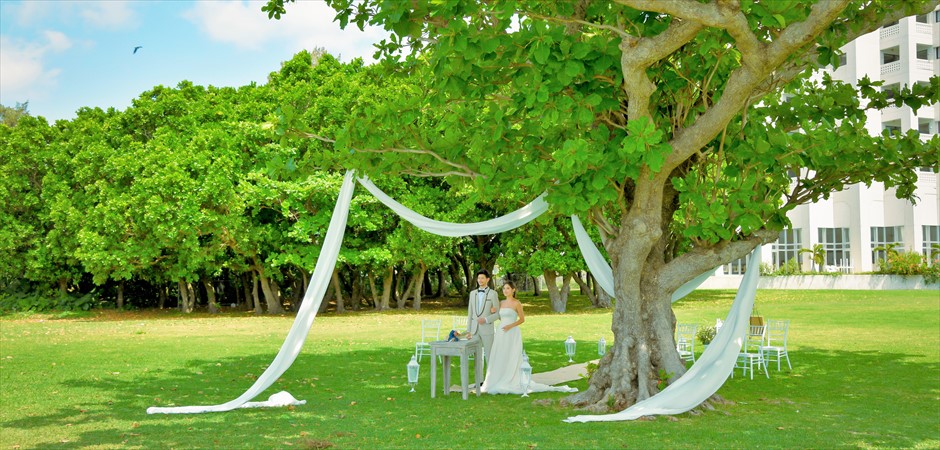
(110, 14)
(102, 14)
(306, 25)
(23, 72)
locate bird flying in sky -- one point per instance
(137, 48)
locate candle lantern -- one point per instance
(526, 375)
(570, 345)
(413, 368)
(601, 346)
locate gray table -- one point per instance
(463, 349)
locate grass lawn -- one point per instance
(866, 374)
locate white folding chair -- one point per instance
(430, 331)
(776, 346)
(752, 353)
(685, 341)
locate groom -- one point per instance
(480, 315)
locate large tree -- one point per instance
(661, 121)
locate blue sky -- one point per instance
(61, 55)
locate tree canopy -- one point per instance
(684, 130)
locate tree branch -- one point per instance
(464, 170)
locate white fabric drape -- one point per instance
(710, 371)
(302, 323)
(700, 382)
(508, 222)
(604, 275)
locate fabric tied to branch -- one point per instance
(710, 371)
(508, 222)
(302, 323)
(604, 275)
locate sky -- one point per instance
(61, 55)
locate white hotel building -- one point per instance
(853, 222)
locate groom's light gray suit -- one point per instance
(475, 310)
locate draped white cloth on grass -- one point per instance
(508, 222)
(711, 369)
(604, 275)
(717, 371)
(301, 326)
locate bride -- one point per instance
(503, 370)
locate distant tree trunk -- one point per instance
(338, 292)
(419, 284)
(356, 295)
(270, 295)
(387, 283)
(376, 298)
(63, 286)
(254, 293)
(603, 298)
(585, 289)
(558, 297)
(187, 297)
(120, 295)
(441, 284)
(210, 296)
(161, 291)
(536, 287)
(458, 279)
(401, 297)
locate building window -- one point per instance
(788, 247)
(931, 245)
(936, 16)
(923, 52)
(883, 238)
(835, 242)
(736, 267)
(923, 127)
(843, 59)
(922, 18)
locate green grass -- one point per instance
(866, 374)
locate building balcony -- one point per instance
(890, 67)
(891, 31)
(923, 64)
(923, 28)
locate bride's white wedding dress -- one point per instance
(503, 371)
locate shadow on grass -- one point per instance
(358, 397)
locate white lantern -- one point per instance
(526, 374)
(601, 346)
(570, 345)
(413, 372)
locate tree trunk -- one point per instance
(441, 284)
(558, 297)
(643, 323)
(585, 289)
(270, 296)
(63, 286)
(400, 297)
(325, 303)
(419, 285)
(338, 291)
(376, 298)
(458, 279)
(536, 287)
(186, 297)
(120, 295)
(356, 296)
(254, 293)
(161, 291)
(387, 289)
(210, 296)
